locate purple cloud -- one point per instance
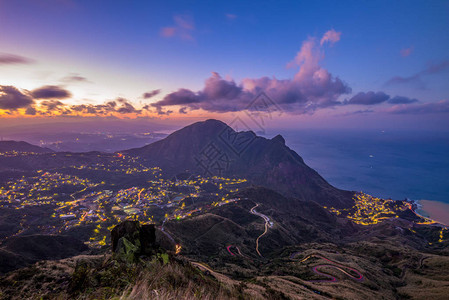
(51, 105)
(12, 99)
(402, 100)
(424, 108)
(359, 112)
(437, 68)
(406, 51)
(416, 79)
(30, 111)
(123, 106)
(183, 28)
(180, 97)
(369, 98)
(74, 78)
(10, 59)
(150, 94)
(120, 105)
(48, 107)
(312, 87)
(50, 92)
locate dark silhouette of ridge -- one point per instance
(6, 146)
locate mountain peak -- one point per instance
(212, 148)
(214, 121)
(208, 122)
(209, 126)
(279, 139)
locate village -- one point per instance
(76, 201)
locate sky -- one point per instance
(349, 64)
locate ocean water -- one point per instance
(388, 164)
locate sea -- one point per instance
(388, 164)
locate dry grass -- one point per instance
(143, 290)
(175, 281)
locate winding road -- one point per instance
(140, 192)
(230, 252)
(220, 277)
(335, 265)
(268, 223)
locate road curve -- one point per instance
(232, 253)
(268, 223)
(229, 250)
(202, 266)
(220, 277)
(140, 192)
(334, 265)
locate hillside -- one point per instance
(9, 146)
(20, 251)
(377, 269)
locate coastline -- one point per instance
(435, 210)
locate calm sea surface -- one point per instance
(394, 164)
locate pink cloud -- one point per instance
(406, 52)
(6, 59)
(307, 59)
(183, 28)
(331, 36)
(311, 88)
(168, 31)
(185, 22)
(231, 16)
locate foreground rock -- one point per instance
(131, 240)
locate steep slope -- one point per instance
(293, 222)
(212, 148)
(20, 251)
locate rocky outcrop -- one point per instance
(131, 240)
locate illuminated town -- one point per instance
(369, 210)
(74, 201)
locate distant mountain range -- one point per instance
(6, 146)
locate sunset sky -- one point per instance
(321, 63)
